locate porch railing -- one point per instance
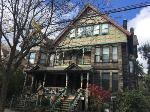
(74, 102)
(58, 100)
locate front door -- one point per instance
(74, 82)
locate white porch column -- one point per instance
(81, 80)
(82, 55)
(66, 80)
(44, 80)
(63, 58)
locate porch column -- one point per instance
(81, 80)
(44, 80)
(32, 81)
(66, 80)
(25, 80)
(55, 58)
(86, 93)
(63, 58)
(82, 55)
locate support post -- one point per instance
(32, 82)
(44, 80)
(81, 80)
(66, 80)
(82, 55)
(86, 93)
(63, 58)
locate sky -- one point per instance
(139, 18)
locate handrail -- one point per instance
(58, 98)
(75, 100)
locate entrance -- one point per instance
(74, 82)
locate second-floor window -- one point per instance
(114, 54)
(32, 57)
(105, 54)
(97, 54)
(81, 31)
(105, 80)
(72, 33)
(43, 58)
(89, 30)
(96, 29)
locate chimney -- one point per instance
(132, 30)
(125, 24)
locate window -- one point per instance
(81, 32)
(104, 29)
(105, 80)
(89, 30)
(96, 29)
(131, 66)
(72, 33)
(114, 54)
(43, 58)
(32, 58)
(97, 54)
(114, 82)
(105, 54)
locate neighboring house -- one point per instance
(91, 49)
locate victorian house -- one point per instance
(92, 49)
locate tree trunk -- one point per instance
(3, 92)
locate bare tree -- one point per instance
(23, 25)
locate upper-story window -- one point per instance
(89, 30)
(114, 53)
(72, 33)
(97, 54)
(105, 80)
(32, 57)
(104, 30)
(81, 31)
(105, 54)
(43, 58)
(96, 29)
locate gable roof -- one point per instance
(97, 11)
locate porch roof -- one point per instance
(62, 69)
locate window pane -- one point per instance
(32, 58)
(31, 61)
(104, 28)
(114, 53)
(89, 30)
(72, 33)
(97, 58)
(114, 82)
(81, 31)
(106, 54)
(97, 51)
(96, 29)
(43, 56)
(105, 80)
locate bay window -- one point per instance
(114, 54)
(105, 54)
(97, 54)
(105, 80)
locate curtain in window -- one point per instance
(105, 54)
(105, 80)
(114, 82)
(114, 54)
(96, 29)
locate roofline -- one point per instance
(100, 13)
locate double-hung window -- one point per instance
(96, 29)
(32, 57)
(114, 53)
(105, 80)
(105, 54)
(81, 31)
(89, 30)
(104, 29)
(43, 58)
(97, 54)
(72, 33)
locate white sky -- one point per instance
(141, 24)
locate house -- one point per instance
(92, 49)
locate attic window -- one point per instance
(81, 31)
(89, 30)
(72, 33)
(104, 29)
(96, 30)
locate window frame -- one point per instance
(114, 89)
(43, 58)
(98, 55)
(31, 58)
(71, 33)
(114, 60)
(103, 32)
(106, 61)
(105, 79)
(97, 29)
